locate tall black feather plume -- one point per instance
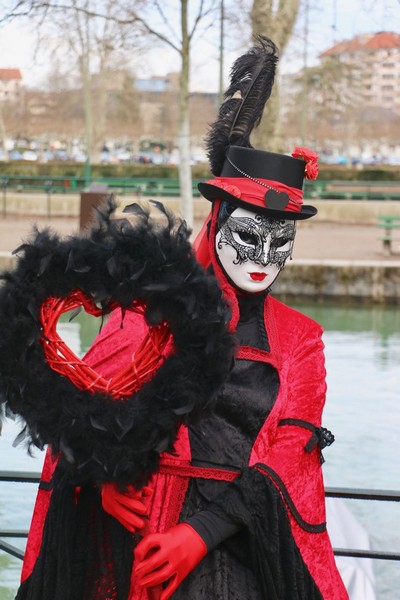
(252, 78)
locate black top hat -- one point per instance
(254, 179)
(265, 182)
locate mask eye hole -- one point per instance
(280, 242)
(247, 238)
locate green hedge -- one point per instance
(64, 169)
(383, 173)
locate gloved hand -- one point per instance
(172, 555)
(128, 507)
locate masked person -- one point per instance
(251, 515)
(263, 534)
(236, 509)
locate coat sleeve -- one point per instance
(290, 452)
(287, 458)
(291, 458)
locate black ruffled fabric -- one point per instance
(117, 263)
(262, 561)
(85, 553)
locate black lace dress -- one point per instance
(252, 555)
(225, 441)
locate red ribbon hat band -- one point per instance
(268, 182)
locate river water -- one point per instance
(363, 364)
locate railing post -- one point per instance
(48, 187)
(88, 173)
(4, 184)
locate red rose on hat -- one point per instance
(311, 159)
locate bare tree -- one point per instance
(123, 110)
(75, 30)
(275, 19)
(181, 42)
(333, 92)
(153, 19)
(93, 42)
(337, 111)
(3, 134)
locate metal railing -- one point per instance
(56, 186)
(15, 477)
(167, 186)
(330, 492)
(365, 494)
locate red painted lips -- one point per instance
(258, 276)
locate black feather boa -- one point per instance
(102, 439)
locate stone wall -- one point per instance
(377, 282)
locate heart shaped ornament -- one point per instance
(144, 267)
(276, 200)
(59, 356)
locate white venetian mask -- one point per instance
(252, 248)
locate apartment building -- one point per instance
(376, 57)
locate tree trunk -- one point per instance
(185, 173)
(87, 91)
(99, 128)
(276, 21)
(3, 135)
(87, 104)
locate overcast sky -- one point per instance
(328, 21)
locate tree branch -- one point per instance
(39, 6)
(164, 17)
(201, 14)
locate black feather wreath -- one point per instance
(251, 80)
(102, 439)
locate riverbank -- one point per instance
(337, 255)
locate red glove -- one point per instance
(128, 507)
(168, 556)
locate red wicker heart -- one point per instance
(63, 360)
